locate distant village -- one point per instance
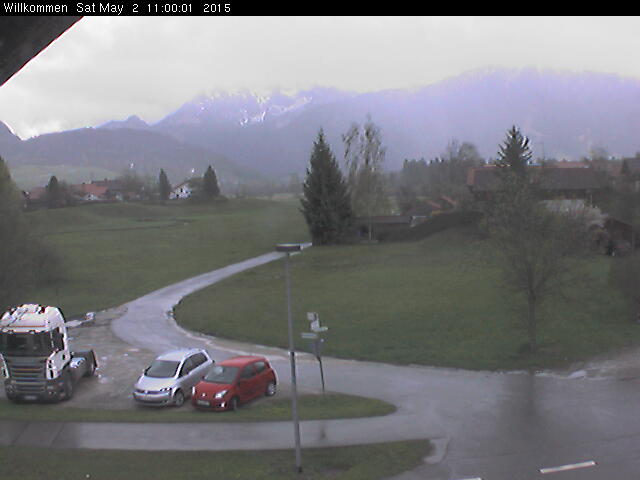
(106, 190)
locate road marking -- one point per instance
(572, 466)
(474, 478)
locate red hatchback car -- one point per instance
(234, 381)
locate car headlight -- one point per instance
(220, 394)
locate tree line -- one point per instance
(26, 260)
(540, 250)
(334, 196)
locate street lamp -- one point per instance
(288, 249)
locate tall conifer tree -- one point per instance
(515, 153)
(210, 188)
(325, 204)
(164, 187)
(55, 196)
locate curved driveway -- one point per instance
(485, 425)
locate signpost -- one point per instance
(316, 340)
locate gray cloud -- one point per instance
(111, 67)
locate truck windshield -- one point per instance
(26, 344)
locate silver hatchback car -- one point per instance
(169, 379)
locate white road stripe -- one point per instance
(572, 466)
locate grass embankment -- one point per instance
(113, 253)
(311, 407)
(366, 462)
(438, 301)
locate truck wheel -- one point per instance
(91, 369)
(14, 398)
(67, 386)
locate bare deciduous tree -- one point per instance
(364, 155)
(539, 247)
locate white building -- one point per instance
(183, 190)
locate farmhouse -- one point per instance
(90, 192)
(630, 171)
(183, 190)
(384, 225)
(556, 182)
(114, 189)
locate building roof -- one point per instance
(630, 166)
(109, 184)
(568, 164)
(180, 185)
(90, 189)
(571, 179)
(551, 178)
(384, 220)
(483, 178)
(37, 193)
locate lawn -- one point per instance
(113, 253)
(311, 407)
(363, 462)
(438, 301)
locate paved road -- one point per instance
(487, 425)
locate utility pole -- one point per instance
(288, 248)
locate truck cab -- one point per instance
(38, 364)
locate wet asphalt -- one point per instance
(484, 425)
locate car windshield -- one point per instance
(221, 374)
(26, 344)
(162, 369)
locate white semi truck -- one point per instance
(37, 363)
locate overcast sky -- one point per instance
(108, 68)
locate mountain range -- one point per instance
(248, 137)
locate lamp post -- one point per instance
(288, 249)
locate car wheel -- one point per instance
(233, 404)
(178, 398)
(271, 389)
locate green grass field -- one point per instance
(438, 301)
(311, 407)
(363, 462)
(113, 253)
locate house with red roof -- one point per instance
(565, 182)
(90, 192)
